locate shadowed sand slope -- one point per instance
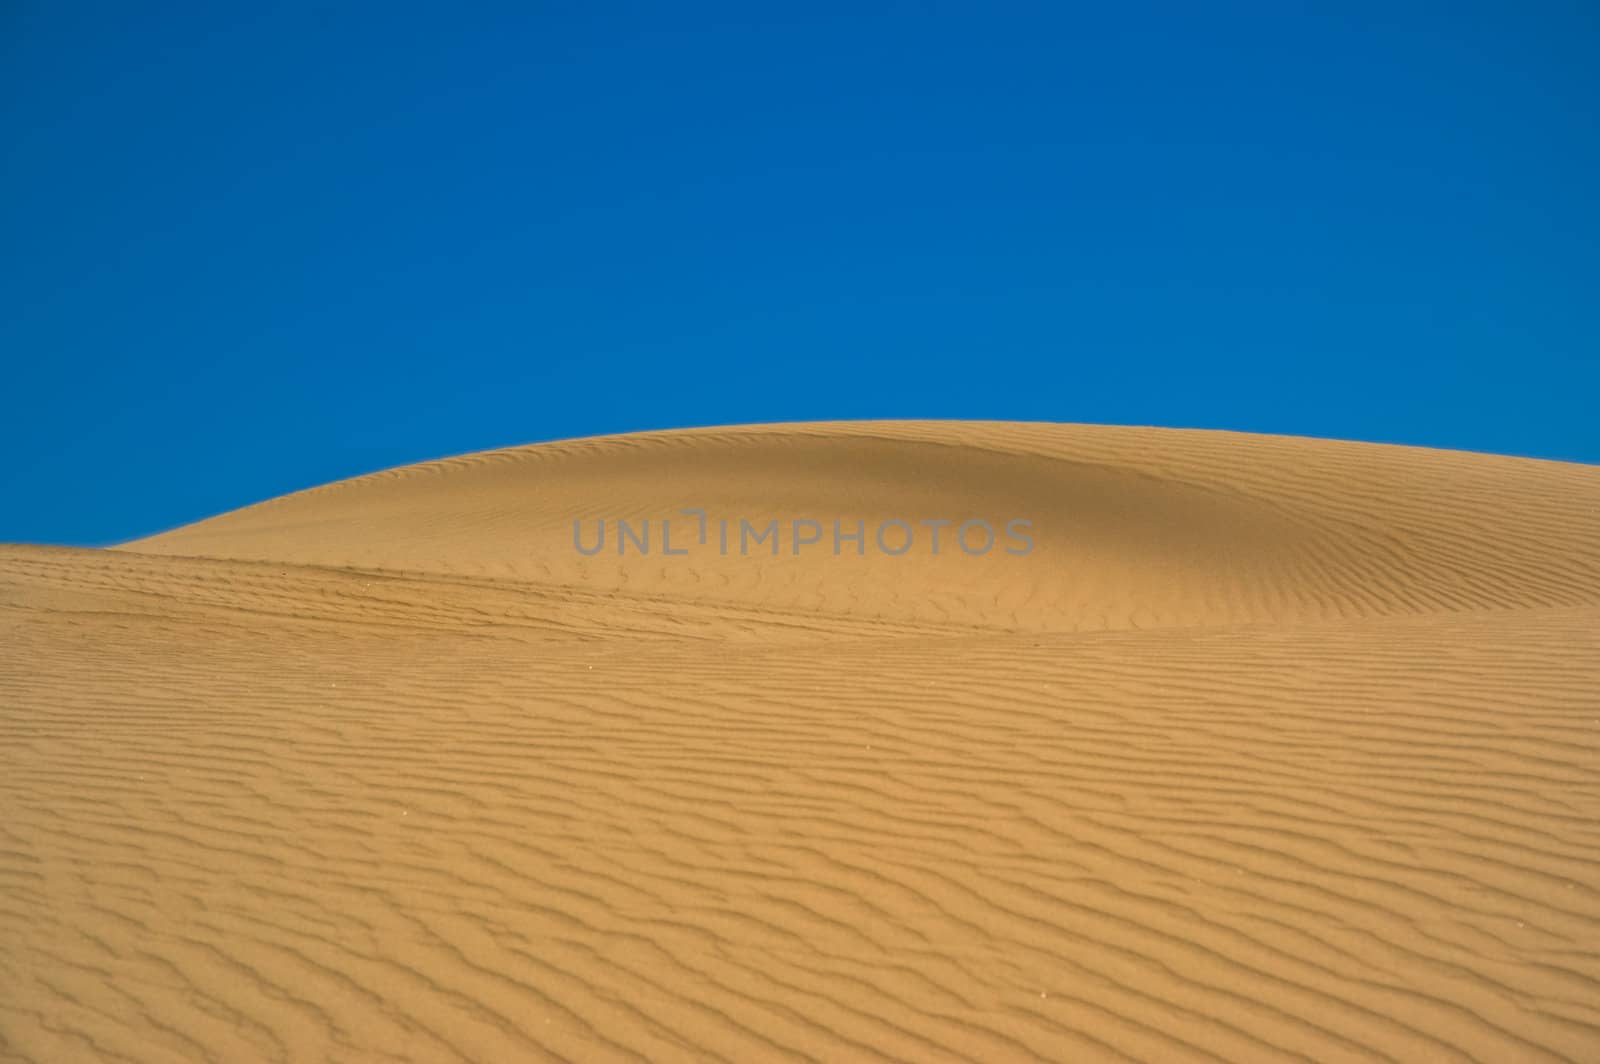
(1268, 749)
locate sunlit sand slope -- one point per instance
(1270, 749)
(1131, 527)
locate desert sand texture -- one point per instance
(1268, 749)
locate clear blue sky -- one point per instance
(249, 248)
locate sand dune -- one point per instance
(1268, 749)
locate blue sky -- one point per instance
(246, 249)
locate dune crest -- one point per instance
(1268, 748)
(1130, 527)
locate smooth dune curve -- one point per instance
(1269, 749)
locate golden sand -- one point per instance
(1269, 749)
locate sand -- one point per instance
(1269, 749)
